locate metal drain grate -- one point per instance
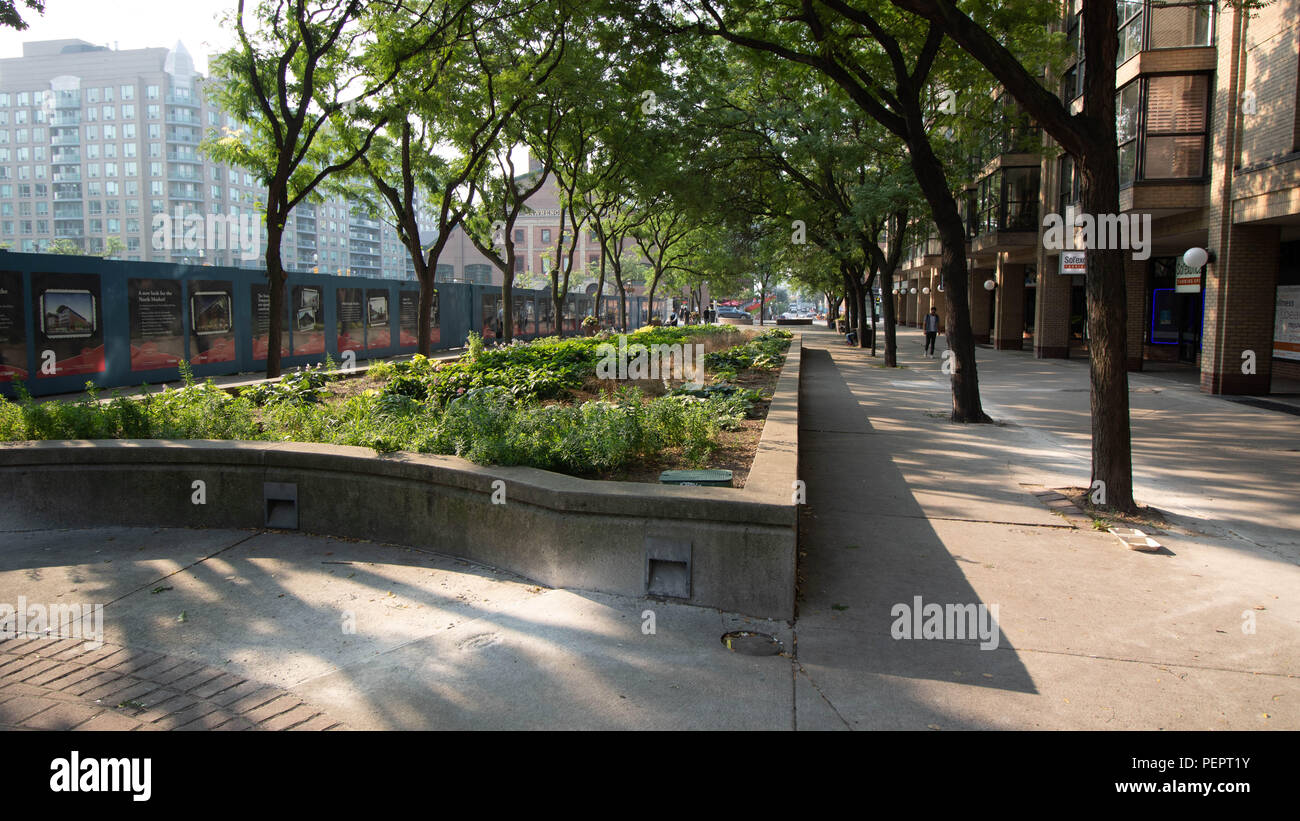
(751, 644)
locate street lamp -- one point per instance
(925, 290)
(913, 291)
(1197, 257)
(989, 285)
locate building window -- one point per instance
(546, 235)
(1127, 110)
(1007, 200)
(1176, 122)
(1129, 13)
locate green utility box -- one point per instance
(706, 478)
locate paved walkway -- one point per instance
(901, 504)
(64, 684)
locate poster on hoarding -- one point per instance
(157, 329)
(261, 305)
(378, 333)
(69, 324)
(212, 321)
(351, 320)
(408, 317)
(1286, 323)
(308, 321)
(13, 328)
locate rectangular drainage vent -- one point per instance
(667, 568)
(281, 505)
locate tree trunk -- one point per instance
(622, 302)
(424, 315)
(933, 182)
(600, 290)
(888, 306)
(871, 307)
(275, 279)
(1091, 138)
(1107, 294)
(861, 297)
(507, 300)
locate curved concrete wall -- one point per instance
(738, 545)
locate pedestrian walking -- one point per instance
(931, 331)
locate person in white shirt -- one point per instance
(931, 331)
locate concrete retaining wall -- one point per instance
(733, 549)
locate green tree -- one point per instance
(461, 96)
(113, 246)
(300, 66)
(1089, 137)
(66, 247)
(10, 17)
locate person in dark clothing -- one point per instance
(931, 331)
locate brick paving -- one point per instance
(56, 684)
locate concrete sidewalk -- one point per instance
(902, 504)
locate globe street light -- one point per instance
(1195, 257)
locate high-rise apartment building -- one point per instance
(97, 143)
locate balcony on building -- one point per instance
(1001, 208)
(184, 155)
(1163, 134)
(922, 254)
(1155, 37)
(182, 136)
(182, 116)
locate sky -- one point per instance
(128, 23)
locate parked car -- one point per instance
(728, 312)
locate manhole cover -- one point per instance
(751, 644)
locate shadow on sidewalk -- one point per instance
(859, 561)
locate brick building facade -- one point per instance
(1210, 149)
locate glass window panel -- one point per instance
(1126, 114)
(1186, 25)
(1127, 163)
(1176, 103)
(1174, 157)
(1130, 41)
